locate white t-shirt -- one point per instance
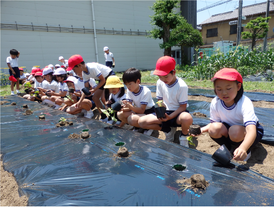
(12, 62)
(172, 95)
(109, 56)
(50, 86)
(63, 87)
(23, 76)
(116, 98)
(95, 70)
(241, 113)
(37, 84)
(79, 85)
(143, 97)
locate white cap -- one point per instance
(27, 74)
(47, 71)
(106, 48)
(50, 66)
(61, 57)
(60, 71)
(71, 79)
(57, 65)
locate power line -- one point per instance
(213, 5)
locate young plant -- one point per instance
(62, 119)
(110, 113)
(27, 85)
(160, 103)
(190, 140)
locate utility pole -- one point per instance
(239, 28)
(266, 15)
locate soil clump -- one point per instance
(198, 114)
(85, 135)
(196, 182)
(13, 103)
(42, 117)
(74, 136)
(122, 152)
(64, 123)
(4, 102)
(28, 112)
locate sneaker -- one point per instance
(248, 156)
(105, 120)
(56, 107)
(148, 132)
(17, 91)
(11, 93)
(89, 114)
(110, 122)
(170, 134)
(183, 141)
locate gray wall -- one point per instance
(24, 26)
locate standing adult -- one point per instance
(109, 58)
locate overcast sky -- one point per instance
(226, 7)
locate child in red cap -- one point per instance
(173, 91)
(232, 116)
(93, 70)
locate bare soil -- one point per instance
(261, 160)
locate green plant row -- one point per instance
(246, 62)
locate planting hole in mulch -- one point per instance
(42, 117)
(25, 106)
(198, 114)
(4, 102)
(196, 182)
(119, 144)
(85, 135)
(74, 136)
(13, 103)
(64, 123)
(28, 112)
(122, 152)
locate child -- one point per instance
(110, 62)
(232, 116)
(38, 83)
(74, 95)
(23, 77)
(48, 86)
(58, 97)
(63, 61)
(173, 91)
(139, 100)
(91, 70)
(117, 94)
(12, 62)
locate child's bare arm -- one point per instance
(13, 72)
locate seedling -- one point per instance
(119, 144)
(68, 96)
(27, 85)
(179, 167)
(160, 103)
(62, 119)
(190, 140)
(110, 113)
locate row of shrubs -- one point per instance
(247, 63)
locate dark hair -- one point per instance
(172, 71)
(239, 93)
(65, 76)
(14, 52)
(120, 94)
(131, 75)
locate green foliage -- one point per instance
(4, 79)
(172, 27)
(257, 29)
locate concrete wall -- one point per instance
(39, 47)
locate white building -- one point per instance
(44, 30)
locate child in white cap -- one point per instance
(109, 58)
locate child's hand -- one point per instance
(239, 154)
(166, 118)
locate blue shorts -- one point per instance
(89, 98)
(109, 64)
(17, 72)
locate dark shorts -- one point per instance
(93, 103)
(17, 72)
(109, 63)
(110, 73)
(149, 111)
(259, 130)
(172, 122)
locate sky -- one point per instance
(226, 7)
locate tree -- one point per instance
(258, 28)
(172, 27)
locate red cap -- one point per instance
(33, 71)
(229, 74)
(73, 61)
(12, 78)
(21, 69)
(63, 66)
(164, 65)
(39, 73)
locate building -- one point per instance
(223, 26)
(44, 30)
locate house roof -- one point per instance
(250, 10)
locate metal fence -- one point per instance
(59, 28)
